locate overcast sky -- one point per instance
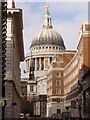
(67, 17)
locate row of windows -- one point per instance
(47, 47)
(73, 64)
(71, 77)
(69, 88)
(49, 88)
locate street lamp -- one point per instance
(79, 100)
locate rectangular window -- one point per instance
(57, 82)
(57, 91)
(58, 100)
(58, 75)
(58, 111)
(31, 87)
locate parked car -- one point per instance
(21, 115)
(28, 115)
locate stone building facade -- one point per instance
(14, 55)
(40, 99)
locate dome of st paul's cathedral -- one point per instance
(47, 35)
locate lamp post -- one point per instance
(79, 100)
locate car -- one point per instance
(21, 115)
(28, 115)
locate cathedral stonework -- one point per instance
(43, 47)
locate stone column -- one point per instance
(35, 63)
(28, 91)
(26, 65)
(39, 63)
(44, 63)
(48, 62)
(29, 61)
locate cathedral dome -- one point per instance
(47, 35)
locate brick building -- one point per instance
(66, 75)
(55, 82)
